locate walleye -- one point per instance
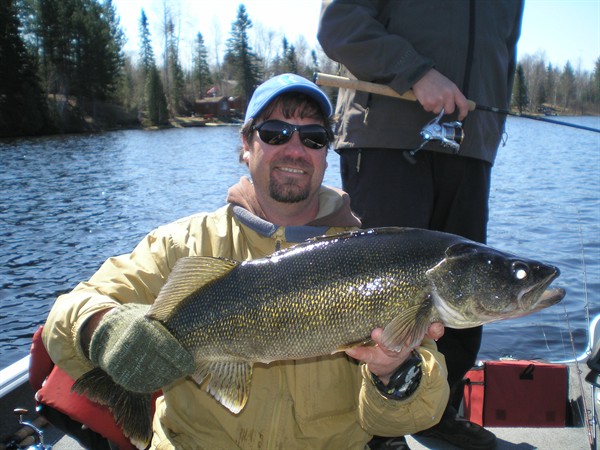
(327, 295)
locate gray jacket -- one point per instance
(395, 42)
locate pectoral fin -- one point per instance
(367, 342)
(409, 328)
(229, 382)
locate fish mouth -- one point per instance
(551, 297)
(545, 299)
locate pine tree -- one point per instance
(520, 97)
(23, 109)
(146, 52)
(115, 57)
(98, 49)
(81, 47)
(175, 72)
(26, 13)
(289, 59)
(128, 91)
(54, 29)
(315, 68)
(201, 68)
(551, 85)
(158, 113)
(567, 85)
(155, 100)
(596, 83)
(240, 56)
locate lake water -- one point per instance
(69, 202)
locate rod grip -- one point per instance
(325, 79)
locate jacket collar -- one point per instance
(334, 211)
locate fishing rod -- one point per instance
(324, 79)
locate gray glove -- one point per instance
(138, 353)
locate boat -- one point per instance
(22, 427)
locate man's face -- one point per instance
(287, 173)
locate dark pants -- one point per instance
(439, 192)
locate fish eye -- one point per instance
(520, 270)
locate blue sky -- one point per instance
(561, 30)
(565, 30)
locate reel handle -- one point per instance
(29, 442)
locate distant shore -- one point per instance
(110, 117)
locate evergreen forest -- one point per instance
(63, 69)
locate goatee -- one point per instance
(288, 192)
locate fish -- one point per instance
(323, 296)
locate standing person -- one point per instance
(325, 402)
(446, 52)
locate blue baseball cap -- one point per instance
(287, 82)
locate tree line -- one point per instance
(64, 69)
(59, 59)
(541, 87)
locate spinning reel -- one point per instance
(450, 135)
(37, 435)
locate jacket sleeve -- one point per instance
(135, 277)
(384, 417)
(352, 32)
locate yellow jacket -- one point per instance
(326, 402)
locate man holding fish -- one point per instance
(327, 401)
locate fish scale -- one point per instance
(327, 295)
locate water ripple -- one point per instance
(70, 202)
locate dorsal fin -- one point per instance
(190, 274)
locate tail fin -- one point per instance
(131, 410)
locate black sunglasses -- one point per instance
(277, 132)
